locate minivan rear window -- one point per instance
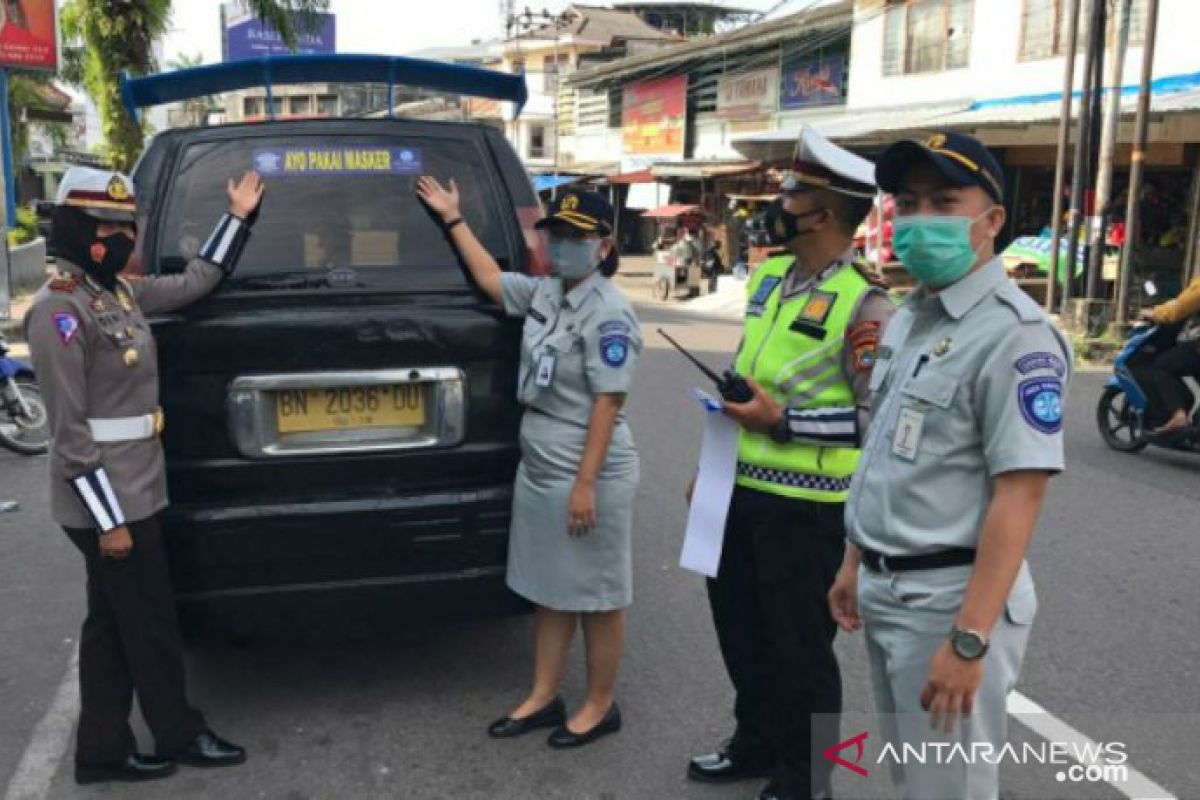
(339, 211)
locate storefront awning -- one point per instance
(641, 176)
(542, 183)
(847, 126)
(703, 169)
(671, 211)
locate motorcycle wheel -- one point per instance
(1120, 426)
(30, 436)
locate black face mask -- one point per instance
(114, 252)
(782, 226)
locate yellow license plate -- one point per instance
(347, 408)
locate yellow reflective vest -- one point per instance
(793, 349)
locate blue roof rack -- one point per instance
(184, 84)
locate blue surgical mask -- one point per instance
(574, 259)
(936, 250)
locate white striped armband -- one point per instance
(97, 495)
(226, 242)
(825, 427)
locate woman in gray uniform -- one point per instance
(569, 548)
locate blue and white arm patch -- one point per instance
(614, 343)
(1041, 403)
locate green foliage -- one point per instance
(116, 35)
(25, 229)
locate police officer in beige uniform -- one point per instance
(966, 431)
(98, 367)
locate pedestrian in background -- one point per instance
(813, 321)
(966, 431)
(97, 365)
(569, 546)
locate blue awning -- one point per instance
(543, 182)
(185, 84)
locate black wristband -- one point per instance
(449, 226)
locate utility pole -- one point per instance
(1137, 163)
(1082, 148)
(1108, 146)
(1064, 138)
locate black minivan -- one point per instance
(341, 414)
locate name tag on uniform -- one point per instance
(908, 434)
(545, 370)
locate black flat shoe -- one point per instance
(554, 714)
(725, 767)
(136, 767)
(563, 737)
(209, 750)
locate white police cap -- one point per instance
(99, 193)
(821, 164)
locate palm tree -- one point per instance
(116, 35)
(198, 107)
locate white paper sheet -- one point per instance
(714, 488)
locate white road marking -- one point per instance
(31, 780)
(1137, 786)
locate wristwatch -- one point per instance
(781, 432)
(968, 645)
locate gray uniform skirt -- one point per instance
(547, 565)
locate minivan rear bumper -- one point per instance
(307, 565)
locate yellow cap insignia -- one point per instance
(936, 141)
(570, 202)
(116, 189)
(131, 357)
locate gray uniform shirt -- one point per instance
(575, 345)
(95, 358)
(968, 384)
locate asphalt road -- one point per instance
(1113, 654)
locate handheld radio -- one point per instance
(731, 386)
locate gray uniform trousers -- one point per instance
(906, 618)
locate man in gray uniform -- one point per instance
(97, 365)
(966, 431)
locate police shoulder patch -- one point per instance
(66, 325)
(1040, 400)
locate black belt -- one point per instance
(954, 557)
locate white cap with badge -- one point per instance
(819, 163)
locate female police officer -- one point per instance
(569, 549)
(96, 361)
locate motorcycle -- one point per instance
(1122, 410)
(24, 421)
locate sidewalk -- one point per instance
(11, 328)
(636, 278)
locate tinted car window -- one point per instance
(340, 206)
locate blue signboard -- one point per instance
(285, 162)
(247, 37)
(809, 82)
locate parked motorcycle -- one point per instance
(24, 422)
(1121, 412)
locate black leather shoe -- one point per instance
(209, 750)
(563, 737)
(136, 767)
(725, 767)
(555, 713)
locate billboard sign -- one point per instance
(244, 36)
(812, 82)
(748, 94)
(28, 34)
(654, 116)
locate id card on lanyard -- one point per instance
(545, 370)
